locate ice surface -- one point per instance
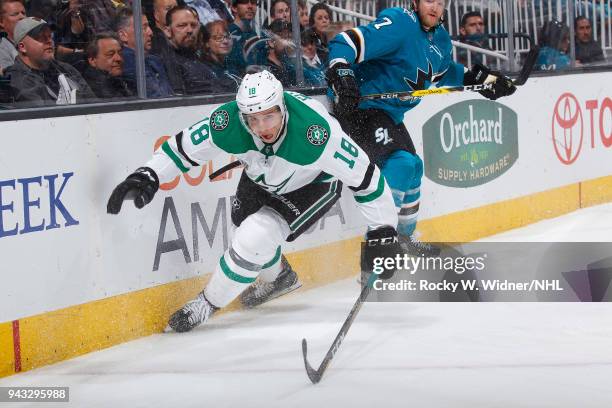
(396, 354)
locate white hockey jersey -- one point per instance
(311, 148)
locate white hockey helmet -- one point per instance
(259, 92)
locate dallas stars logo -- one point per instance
(317, 135)
(219, 120)
(273, 188)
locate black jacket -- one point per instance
(105, 86)
(188, 76)
(38, 88)
(588, 52)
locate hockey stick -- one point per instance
(419, 93)
(530, 61)
(225, 168)
(315, 375)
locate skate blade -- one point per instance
(296, 286)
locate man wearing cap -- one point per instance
(36, 77)
(11, 12)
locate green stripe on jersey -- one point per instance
(297, 223)
(374, 195)
(233, 275)
(168, 150)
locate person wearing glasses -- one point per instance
(216, 46)
(401, 51)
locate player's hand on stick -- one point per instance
(380, 243)
(139, 186)
(479, 74)
(341, 78)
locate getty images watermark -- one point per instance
(499, 272)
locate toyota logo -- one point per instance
(567, 132)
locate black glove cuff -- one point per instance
(477, 75)
(146, 174)
(337, 72)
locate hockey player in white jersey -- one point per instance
(296, 159)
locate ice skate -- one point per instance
(194, 313)
(260, 291)
(414, 247)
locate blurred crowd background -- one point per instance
(61, 52)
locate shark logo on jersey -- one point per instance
(422, 76)
(317, 135)
(273, 188)
(219, 120)
(236, 204)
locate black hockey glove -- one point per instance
(139, 186)
(341, 79)
(501, 85)
(380, 243)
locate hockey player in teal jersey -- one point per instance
(296, 159)
(403, 50)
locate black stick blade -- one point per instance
(313, 374)
(530, 61)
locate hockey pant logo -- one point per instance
(382, 136)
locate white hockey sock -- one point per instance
(269, 272)
(255, 244)
(232, 275)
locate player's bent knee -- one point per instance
(259, 236)
(400, 168)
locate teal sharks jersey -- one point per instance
(394, 54)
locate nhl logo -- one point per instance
(317, 135)
(219, 120)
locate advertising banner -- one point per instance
(59, 247)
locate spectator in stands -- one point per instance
(241, 30)
(319, 20)
(472, 32)
(303, 13)
(105, 67)
(103, 13)
(160, 45)
(224, 10)
(554, 41)
(280, 46)
(188, 75)
(217, 44)
(11, 12)
(587, 49)
(73, 33)
(204, 10)
(157, 83)
(279, 10)
(314, 69)
(37, 79)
